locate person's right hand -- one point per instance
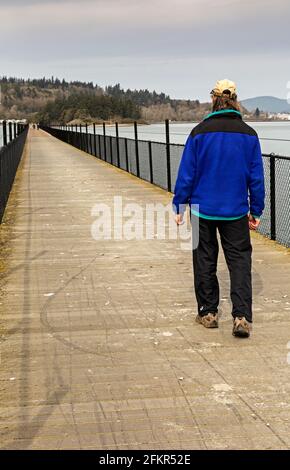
(253, 222)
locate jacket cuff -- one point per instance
(179, 208)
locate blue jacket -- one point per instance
(221, 169)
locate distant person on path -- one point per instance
(221, 177)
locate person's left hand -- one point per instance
(179, 219)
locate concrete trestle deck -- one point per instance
(99, 348)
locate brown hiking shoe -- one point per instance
(241, 327)
(208, 321)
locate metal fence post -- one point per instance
(168, 155)
(4, 130)
(87, 139)
(76, 137)
(118, 148)
(150, 161)
(136, 149)
(111, 150)
(273, 195)
(95, 140)
(81, 137)
(126, 154)
(105, 147)
(10, 132)
(83, 140)
(100, 147)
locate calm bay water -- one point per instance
(180, 131)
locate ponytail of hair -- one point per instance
(225, 102)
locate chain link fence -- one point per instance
(10, 156)
(158, 162)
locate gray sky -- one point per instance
(180, 47)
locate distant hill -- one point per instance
(268, 104)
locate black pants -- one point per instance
(236, 244)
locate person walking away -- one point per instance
(221, 177)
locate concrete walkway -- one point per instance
(99, 348)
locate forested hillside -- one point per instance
(58, 101)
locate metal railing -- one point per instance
(10, 156)
(158, 162)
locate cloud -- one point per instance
(127, 32)
(168, 28)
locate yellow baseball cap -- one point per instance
(224, 87)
